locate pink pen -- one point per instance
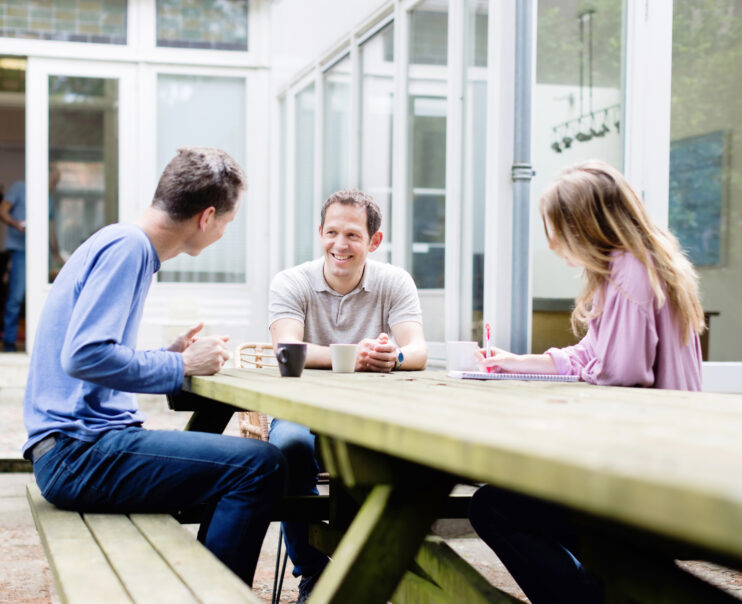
(487, 334)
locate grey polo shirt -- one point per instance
(385, 297)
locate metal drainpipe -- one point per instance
(522, 173)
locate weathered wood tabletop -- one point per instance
(659, 463)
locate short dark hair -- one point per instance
(357, 198)
(197, 178)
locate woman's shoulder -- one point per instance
(630, 278)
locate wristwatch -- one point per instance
(399, 359)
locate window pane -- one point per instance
(206, 112)
(83, 162)
(428, 148)
(705, 165)
(212, 24)
(336, 115)
(427, 155)
(429, 33)
(304, 219)
(377, 110)
(101, 22)
(577, 108)
(475, 149)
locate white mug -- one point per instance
(343, 357)
(461, 356)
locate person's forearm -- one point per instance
(415, 356)
(10, 221)
(535, 363)
(318, 357)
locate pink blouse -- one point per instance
(632, 343)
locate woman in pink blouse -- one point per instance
(642, 317)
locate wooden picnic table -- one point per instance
(651, 475)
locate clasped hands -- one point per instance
(201, 356)
(376, 354)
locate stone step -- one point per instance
(13, 369)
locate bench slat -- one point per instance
(145, 575)
(81, 571)
(203, 573)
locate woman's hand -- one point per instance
(507, 362)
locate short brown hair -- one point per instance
(198, 178)
(357, 198)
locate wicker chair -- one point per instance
(259, 355)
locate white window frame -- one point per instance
(38, 71)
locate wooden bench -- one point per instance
(115, 558)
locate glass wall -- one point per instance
(475, 149)
(377, 113)
(576, 115)
(705, 210)
(211, 24)
(427, 143)
(304, 218)
(208, 112)
(83, 162)
(336, 116)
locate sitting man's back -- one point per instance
(86, 441)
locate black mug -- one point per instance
(291, 357)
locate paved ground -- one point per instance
(24, 573)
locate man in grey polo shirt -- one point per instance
(342, 297)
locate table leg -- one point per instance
(208, 415)
(386, 533)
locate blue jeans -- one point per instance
(297, 445)
(16, 293)
(137, 470)
(535, 540)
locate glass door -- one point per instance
(76, 168)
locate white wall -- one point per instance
(301, 31)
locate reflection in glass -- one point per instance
(475, 146)
(705, 166)
(206, 112)
(429, 33)
(428, 181)
(304, 219)
(83, 162)
(209, 24)
(336, 116)
(578, 90)
(377, 109)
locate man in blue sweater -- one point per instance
(86, 441)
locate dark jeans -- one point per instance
(537, 543)
(296, 442)
(16, 294)
(138, 470)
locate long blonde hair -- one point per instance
(591, 211)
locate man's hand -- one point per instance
(375, 354)
(185, 339)
(205, 356)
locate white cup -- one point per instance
(461, 356)
(343, 357)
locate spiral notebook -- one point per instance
(529, 377)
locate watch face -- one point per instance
(400, 356)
